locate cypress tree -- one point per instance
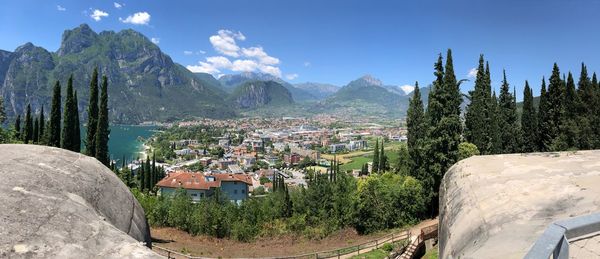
(142, 177)
(42, 126)
(477, 115)
(569, 127)
(92, 124)
(528, 121)
(54, 124)
(28, 130)
(18, 127)
(68, 128)
(444, 135)
(507, 118)
(103, 131)
(383, 163)
(585, 110)
(494, 130)
(544, 124)
(556, 90)
(36, 126)
(148, 176)
(76, 124)
(417, 130)
(375, 166)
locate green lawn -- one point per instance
(391, 152)
(432, 254)
(375, 254)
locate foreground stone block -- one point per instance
(56, 203)
(497, 206)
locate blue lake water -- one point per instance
(125, 141)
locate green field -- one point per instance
(375, 254)
(391, 151)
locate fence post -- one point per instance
(358, 249)
(338, 253)
(392, 237)
(377, 242)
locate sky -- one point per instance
(335, 41)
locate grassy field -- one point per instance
(432, 254)
(356, 160)
(375, 254)
(317, 168)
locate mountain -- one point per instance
(367, 96)
(230, 82)
(144, 83)
(319, 90)
(254, 94)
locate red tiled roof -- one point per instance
(197, 181)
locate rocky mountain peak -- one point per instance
(370, 80)
(76, 40)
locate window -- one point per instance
(235, 191)
(194, 194)
(243, 191)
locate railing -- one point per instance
(336, 253)
(554, 242)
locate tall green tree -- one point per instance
(568, 137)
(103, 131)
(477, 113)
(383, 161)
(376, 159)
(54, 124)
(528, 121)
(42, 126)
(28, 130)
(68, 128)
(494, 130)
(508, 118)
(18, 127)
(445, 131)
(556, 109)
(417, 131)
(92, 112)
(36, 127)
(585, 110)
(544, 137)
(76, 123)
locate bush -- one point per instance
(387, 247)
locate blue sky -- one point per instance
(334, 41)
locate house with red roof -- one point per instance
(199, 186)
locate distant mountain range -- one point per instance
(146, 85)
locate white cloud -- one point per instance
(307, 64)
(291, 76)
(201, 52)
(472, 73)
(188, 52)
(224, 42)
(155, 40)
(139, 18)
(98, 14)
(246, 59)
(244, 65)
(407, 88)
(118, 6)
(261, 55)
(60, 8)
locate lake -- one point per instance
(125, 141)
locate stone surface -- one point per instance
(497, 206)
(60, 204)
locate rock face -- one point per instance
(497, 206)
(254, 94)
(60, 204)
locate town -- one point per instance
(244, 156)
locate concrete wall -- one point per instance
(497, 206)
